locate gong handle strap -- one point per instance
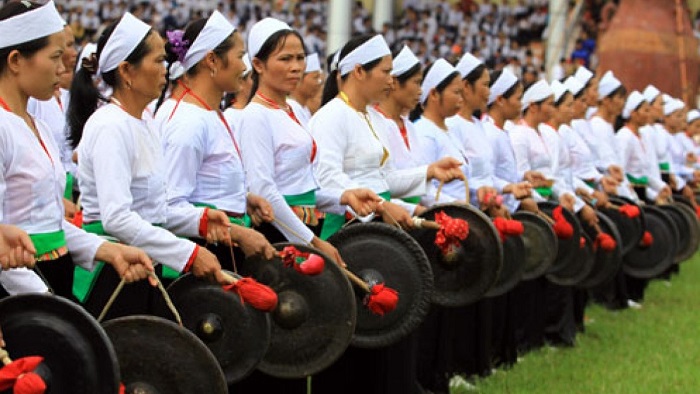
(5, 357)
(162, 289)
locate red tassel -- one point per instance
(582, 242)
(256, 294)
(562, 228)
(605, 242)
(78, 219)
(382, 299)
(497, 198)
(122, 389)
(508, 228)
(697, 211)
(647, 239)
(452, 232)
(19, 374)
(629, 210)
(313, 265)
(304, 263)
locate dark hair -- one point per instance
(408, 74)
(620, 91)
(561, 99)
(508, 93)
(84, 95)
(270, 45)
(475, 74)
(331, 89)
(418, 110)
(26, 49)
(190, 34)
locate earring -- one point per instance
(213, 72)
(128, 85)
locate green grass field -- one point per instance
(652, 350)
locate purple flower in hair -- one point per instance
(178, 45)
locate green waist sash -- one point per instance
(47, 242)
(307, 199)
(334, 222)
(666, 167)
(84, 280)
(590, 183)
(68, 192)
(641, 181)
(544, 191)
(412, 200)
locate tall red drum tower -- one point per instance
(652, 42)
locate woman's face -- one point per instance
(39, 75)
(148, 77)
(565, 111)
(311, 84)
(641, 115)
(580, 107)
(592, 92)
(229, 73)
(450, 100)
(546, 109)
(284, 68)
(513, 104)
(408, 94)
(477, 95)
(378, 81)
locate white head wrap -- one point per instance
(608, 84)
(248, 66)
(176, 70)
(39, 22)
(312, 63)
(440, 70)
(558, 89)
(633, 102)
(214, 32)
(404, 61)
(539, 91)
(651, 93)
(504, 82)
(371, 50)
(672, 106)
(467, 64)
(665, 98)
(574, 85)
(261, 31)
(692, 116)
(88, 50)
(583, 75)
(130, 31)
(334, 62)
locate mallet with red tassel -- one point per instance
(256, 294)
(303, 262)
(19, 375)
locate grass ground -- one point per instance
(652, 350)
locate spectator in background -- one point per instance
(580, 54)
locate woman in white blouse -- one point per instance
(203, 159)
(122, 168)
(351, 153)
(441, 98)
(279, 153)
(33, 178)
(637, 153)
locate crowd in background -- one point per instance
(498, 32)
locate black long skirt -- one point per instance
(529, 298)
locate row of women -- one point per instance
(163, 171)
